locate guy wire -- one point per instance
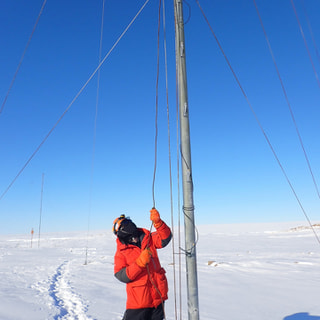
(311, 31)
(22, 57)
(94, 133)
(258, 122)
(305, 43)
(288, 102)
(169, 156)
(156, 112)
(72, 102)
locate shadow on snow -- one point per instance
(302, 316)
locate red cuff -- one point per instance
(158, 224)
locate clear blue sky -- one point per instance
(236, 177)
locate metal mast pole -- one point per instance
(40, 210)
(187, 183)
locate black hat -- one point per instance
(124, 229)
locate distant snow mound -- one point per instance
(301, 228)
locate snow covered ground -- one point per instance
(260, 272)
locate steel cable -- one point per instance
(305, 43)
(94, 133)
(258, 122)
(287, 100)
(22, 57)
(72, 102)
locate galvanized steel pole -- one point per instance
(40, 210)
(187, 183)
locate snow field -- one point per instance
(243, 274)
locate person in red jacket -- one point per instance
(136, 263)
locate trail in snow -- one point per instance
(70, 305)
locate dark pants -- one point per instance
(145, 313)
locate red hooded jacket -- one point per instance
(147, 286)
